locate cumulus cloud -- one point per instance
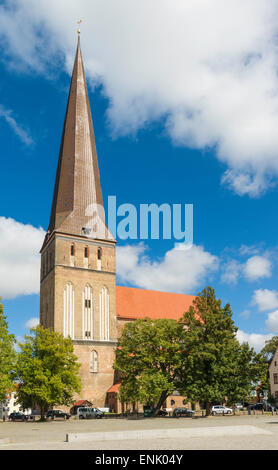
(256, 341)
(257, 267)
(180, 270)
(231, 272)
(32, 323)
(18, 130)
(19, 258)
(208, 68)
(272, 321)
(265, 299)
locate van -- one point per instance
(89, 413)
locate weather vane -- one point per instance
(79, 23)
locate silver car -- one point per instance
(220, 409)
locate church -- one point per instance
(78, 293)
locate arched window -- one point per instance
(99, 256)
(87, 313)
(72, 254)
(69, 311)
(94, 361)
(104, 309)
(86, 257)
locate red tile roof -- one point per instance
(114, 388)
(80, 402)
(132, 303)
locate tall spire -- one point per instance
(77, 186)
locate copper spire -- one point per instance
(77, 186)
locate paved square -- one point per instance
(229, 432)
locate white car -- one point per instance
(219, 409)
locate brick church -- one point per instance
(79, 297)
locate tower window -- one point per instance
(99, 254)
(86, 252)
(94, 362)
(87, 303)
(72, 250)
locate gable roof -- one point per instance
(81, 402)
(133, 303)
(114, 388)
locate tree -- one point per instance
(250, 370)
(7, 355)
(214, 365)
(47, 370)
(148, 356)
(270, 347)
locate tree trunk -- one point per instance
(161, 400)
(207, 408)
(42, 412)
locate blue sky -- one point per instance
(149, 152)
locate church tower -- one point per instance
(78, 279)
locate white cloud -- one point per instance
(208, 67)
(272, 321)
(257, 341)
(257, 267)
(32, 323)
(265, 299)
(180, 270)
(231, 272)
(18, 130)
(249, 250)
(19, 258)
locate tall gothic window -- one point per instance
(86, 257)
(104, 309)
(94, 362)
(72, 254)
(69, 311)
(87, 313)
(99, 256)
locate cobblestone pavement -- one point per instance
(52, 435)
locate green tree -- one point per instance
(7, 355)
(249, 371)
(213, 362)
(47, 370)
(148, 356)
(270, 348)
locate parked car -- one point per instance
(57, 414)
(89, 413)
(239, 406)
(18, 416)
(183, 412)
(262, 406)
(220, 409)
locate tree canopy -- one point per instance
(198, 356)
(149, 357)
(47, 370)
(270, 348)
(215, 366)
(7, 355)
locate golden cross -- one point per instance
(79, 22)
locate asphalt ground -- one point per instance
(258, 432)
